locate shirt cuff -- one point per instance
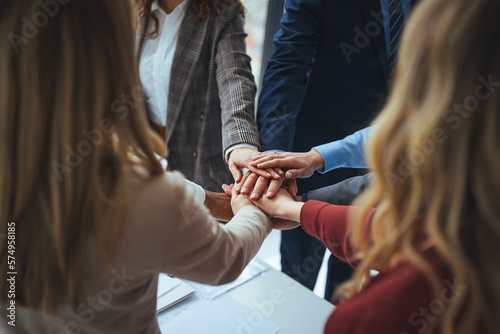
(196, 191)
(234, 147)
(333, 155)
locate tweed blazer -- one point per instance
(211, 95)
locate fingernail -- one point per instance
(254, 196)
(270, 194)
(268, 174)
(237, 188)
(280, 172)
(276, 176)
(289, 175)
(259, 165)
(244, 190)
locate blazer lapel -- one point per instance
(368, 8)
(187, 53)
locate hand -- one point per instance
(300, 165)
(282, 206)
(241, 157)
(219, 205)
(238, 201)
(284, 224)
(256, 185)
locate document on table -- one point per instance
(254, 268)
(171, 291)
(223, 315)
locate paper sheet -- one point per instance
(166, 284)
(223, 315)
(254, 268)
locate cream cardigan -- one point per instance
(164, 230)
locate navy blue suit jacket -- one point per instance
(327, 78)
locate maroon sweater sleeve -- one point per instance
(398, 300)
(328, 223)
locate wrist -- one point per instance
(317, 159)
(236, 208)
(291, 211)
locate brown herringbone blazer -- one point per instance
(211, 95)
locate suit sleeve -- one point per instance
(236, 87)
(342, 193)
(328, 223)
(286, 77)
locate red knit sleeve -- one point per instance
(328, 223)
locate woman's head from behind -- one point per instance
(435, 151)
(70, 112)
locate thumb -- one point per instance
(293, 174)
(228, 189)
(235, 171)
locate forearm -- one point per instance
(207, 252)
(219, 205)
(286, 77)
(236, 88)
(329, 224)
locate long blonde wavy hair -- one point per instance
(435, 154)
(71, 116)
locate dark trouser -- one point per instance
(302, 255)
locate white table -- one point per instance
(277, 297)
(296, 309)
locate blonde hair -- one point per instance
(71, 115)
(435, 154)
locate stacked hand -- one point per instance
(266, 185)
(299, 165)
(283, 208)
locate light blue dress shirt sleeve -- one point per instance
(348, 152)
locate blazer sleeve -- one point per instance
(328, 223)
(198, 248)
(286, 77)
(236, 86)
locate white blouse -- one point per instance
(156, 60)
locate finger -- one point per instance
(239, 185)
(228, 189)
(260, 172)
(276, 163)
(274, 186)
(293, 189)
(258, 201)
(294, 173)
(257, 156)
(249, 184)
(235, 171)
(259, 188)
(234, 192)
(273, 173)
(279, 171)
(264, 157)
